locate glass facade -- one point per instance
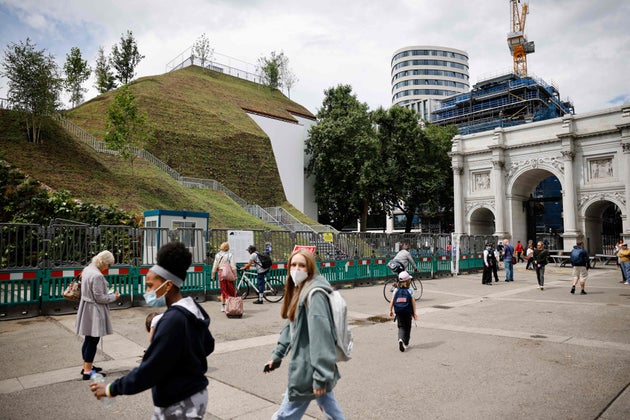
(443, 71)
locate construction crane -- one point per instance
(517, 41)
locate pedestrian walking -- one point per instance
(529, 256)
(490, 262)
(93, 319)
(224, 260)
(403, 306)
(519, 252)
(508, 260)
(580, 261)
(309, 336)
(624, 259)
(175, 363)
(540, 259)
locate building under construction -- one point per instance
(502, 101)
(508, 100)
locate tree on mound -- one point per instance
(127, 130)
(34, 84)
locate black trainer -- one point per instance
(573, 289)
(258, 302)
(401, 345)
(582, 292)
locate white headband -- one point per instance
(167, 275)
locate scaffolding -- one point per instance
(502, 101)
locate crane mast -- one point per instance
(517, 41)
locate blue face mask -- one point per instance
(152, 299)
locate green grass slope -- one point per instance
(202, 130)
(62, 162)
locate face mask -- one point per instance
(298, 276)
(152, 299)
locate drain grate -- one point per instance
(442, 307)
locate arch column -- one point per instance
(458, 198)
(498, 186)
(569, 200)
(625, 144)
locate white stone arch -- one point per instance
(523, 168)
(484, 222)
(519, 187)
(590, 210)
(568, 148)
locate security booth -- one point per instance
(163, 226)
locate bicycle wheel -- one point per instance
(242, 287)
(417, 289)
(274, 290)
(388, 289)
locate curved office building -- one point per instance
(423, 74)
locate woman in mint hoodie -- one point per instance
(309, 336)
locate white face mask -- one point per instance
(298, 276)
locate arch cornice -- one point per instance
(586, 199)
(471, 206)
(553, 164)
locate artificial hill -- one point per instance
(201, 129)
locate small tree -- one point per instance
(287, 77)
(77, 72)
(126, 127)
(105, 80)
(202, 50)
(34, 84)
(126, 58)
(270, 69)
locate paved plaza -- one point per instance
(503, 351)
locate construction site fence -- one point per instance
(39, 262)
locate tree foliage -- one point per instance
(77, 72)
(343, 152)
(34, 84)
(24, 200)
(202, 50)
(126, 126)
(270, 69)
(105, 80)
(125, 58)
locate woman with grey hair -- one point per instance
(93, 320)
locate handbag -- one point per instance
(514, 260)
(73, 291)
(226, 271)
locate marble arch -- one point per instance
(588, 153)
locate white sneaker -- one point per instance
(401, 345)
(222, 308)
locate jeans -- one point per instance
(540, 275)
(261, 284)
(509, 269)
(625, 266)
(294, 410)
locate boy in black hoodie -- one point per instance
(174, 365)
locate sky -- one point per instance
(582, 46)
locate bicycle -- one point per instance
(274, 288)
(390, 286)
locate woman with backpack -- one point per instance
(309, 336)
(404, 306)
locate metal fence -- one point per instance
(38, 262)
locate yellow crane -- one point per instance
(517, 41)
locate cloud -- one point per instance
(581, 46)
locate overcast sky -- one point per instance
(582, 46)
